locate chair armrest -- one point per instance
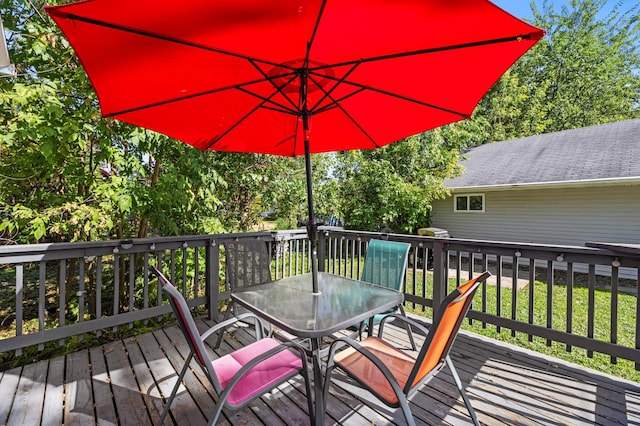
(346, 341)
(399, 317)
(224, 324)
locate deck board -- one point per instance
(122, 383)
(53, 411)
(78, 403)
(102, 393)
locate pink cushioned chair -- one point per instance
(393, 375)
(243, 375)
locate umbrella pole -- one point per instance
(312, 226)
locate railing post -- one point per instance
(439, 274)
(212, 280)
(322, 249)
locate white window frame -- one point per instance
(468, 196)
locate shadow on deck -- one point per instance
(121, 382)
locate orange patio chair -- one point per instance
(394, 376)
(242, 375)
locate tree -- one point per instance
(585, 71)
(67, 174)
(254, 184)
(391, 187)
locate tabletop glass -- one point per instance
(342, 302)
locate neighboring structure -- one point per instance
(565, 188)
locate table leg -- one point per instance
(317, 418)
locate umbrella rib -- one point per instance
(278, 107)
(97, 22)
(243, 118)
(355, 123)
(535, 35)
(316, 26)
(279, 89)
(336, 104)
(327, 94)
(186, 97)
(395, 95)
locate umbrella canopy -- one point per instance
(292, 77)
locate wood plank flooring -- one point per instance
(121, 383)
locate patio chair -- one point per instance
(385, 264)
(391, 374)
(247, 263)
(242, 375)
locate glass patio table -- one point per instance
(291, 305)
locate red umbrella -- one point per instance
(292, 77)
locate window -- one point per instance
(468, 203)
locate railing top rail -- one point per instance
(40, 248)
(524, 249)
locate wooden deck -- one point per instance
(119, 383)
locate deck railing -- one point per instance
(54, 292)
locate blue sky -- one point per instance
(518, 8)
(522, 8)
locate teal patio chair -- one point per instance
(385, 264)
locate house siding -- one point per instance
(566, 216)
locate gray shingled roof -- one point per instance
(607, 151)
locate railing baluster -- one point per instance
(425, 260)
(614, 309)
(196, 272)
(184, 271)
(62, 277)
(116, 287)
(514, 290)
(172, 259)
(499, 290)
(99, 291)
(549, 298)
(290, 255)
(41, 298)
(81, 293)
(297, 258)
(569, 328)
(532, 283)
(19, 301)
(132, 283)
(485, 267)
(304, 257)
(591, 311)
(637, 324)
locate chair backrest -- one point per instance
(385, 263)
(187, 324)
(248, 262)
(444, 330)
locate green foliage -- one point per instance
(69, 175)
(584, 72)
(392, 187)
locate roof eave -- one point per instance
(618, 181)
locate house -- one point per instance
(565, 188)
